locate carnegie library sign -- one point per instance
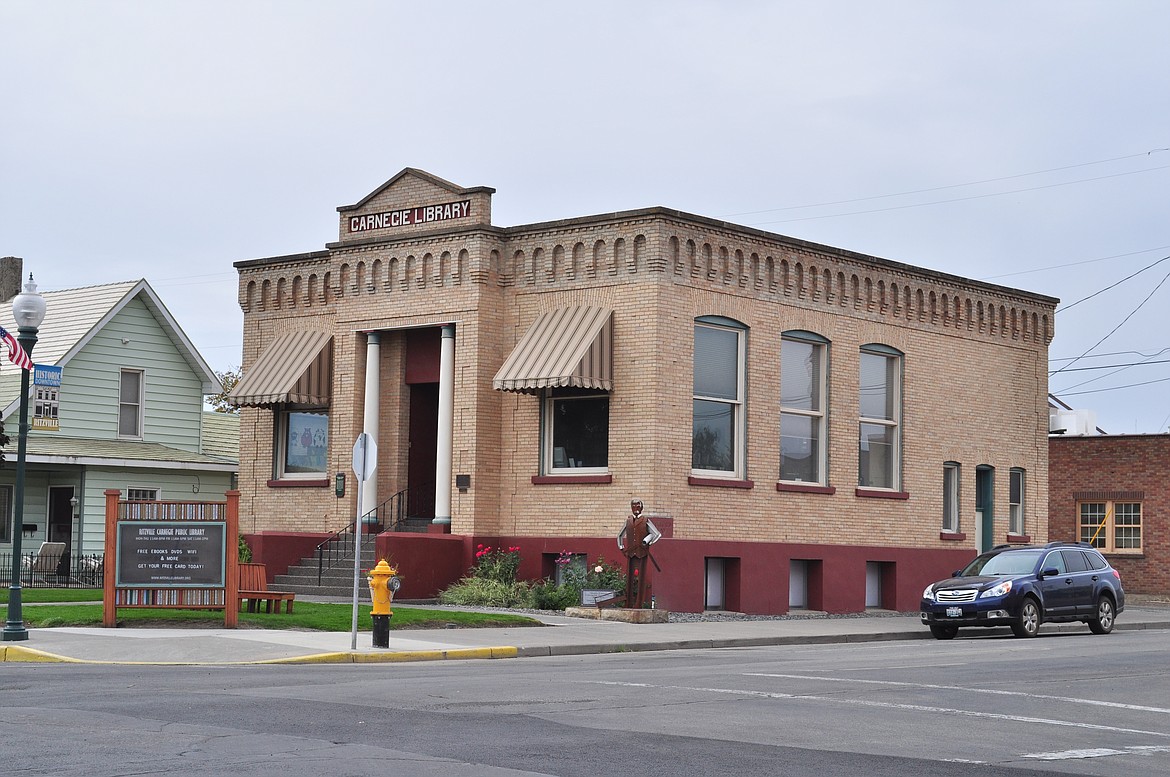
(424, 214)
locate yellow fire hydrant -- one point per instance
(383, 582)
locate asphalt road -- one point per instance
(1057, 704)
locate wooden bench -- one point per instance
(254, 589)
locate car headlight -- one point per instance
(997, 590)
(928, 592)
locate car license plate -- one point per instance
(954, 612)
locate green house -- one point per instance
(129, 415)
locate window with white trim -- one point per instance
(1113, 527)
(576, 431)
(880, 403)
(717, 429)
(140, 494)
(803, 357)
(1016, 492)
(951, 480)
(130, 384)
(302, 444)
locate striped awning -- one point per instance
(566, 347)
(295, 368)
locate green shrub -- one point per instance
(599, 575)
(244, 551)
(491, 582)
(496, 564)
(484, 592)
(547, 595)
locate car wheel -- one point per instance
(1027, 623)
(1103, 622)
(944, 631)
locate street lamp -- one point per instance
(28, 308)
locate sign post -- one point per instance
(365, 460)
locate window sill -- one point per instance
(548, 480)
(720, 483)
(870, 493)
(952, 536)
(1018, 539)
(806, 488)
(306, 483)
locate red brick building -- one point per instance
(1114, 492)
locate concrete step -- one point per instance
(310, 577)
(345, 592)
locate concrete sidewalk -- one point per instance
(559, 636)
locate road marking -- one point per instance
(1098, 752)
(990, 691)
(890, 705)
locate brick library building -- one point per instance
(808, 427)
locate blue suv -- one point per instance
(1024, 586)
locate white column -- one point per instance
(446, 415)
(370, 414)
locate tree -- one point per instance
(219, 402)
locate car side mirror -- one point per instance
(957, 573)
(1049, 572)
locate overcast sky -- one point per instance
(1022, 143)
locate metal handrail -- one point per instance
(338, 546)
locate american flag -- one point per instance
(16, 353)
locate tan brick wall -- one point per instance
(975, 374)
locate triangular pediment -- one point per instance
(414, 201)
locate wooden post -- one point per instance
(231, 562)
(109, 563)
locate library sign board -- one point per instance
(171, 554)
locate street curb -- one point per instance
(20, 654)
(398, 656)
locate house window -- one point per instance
(576, 431)
(1113, 527)
(1016, 484)
(5, 513)
(802, 407)
(130, 403)
(303, 444)
(880, 402)
(951, 480)
(717, 431)
(137, 494)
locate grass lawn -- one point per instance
(34, 595)
(306, 615)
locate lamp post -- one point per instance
(28, 308)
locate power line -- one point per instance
(1107, 288)
(949, 186)
(961, 199)
(1110, 353)
(1112, 366)
(1114, 329)
(1111, 388)
(1074, 264)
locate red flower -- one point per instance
(635, 573)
